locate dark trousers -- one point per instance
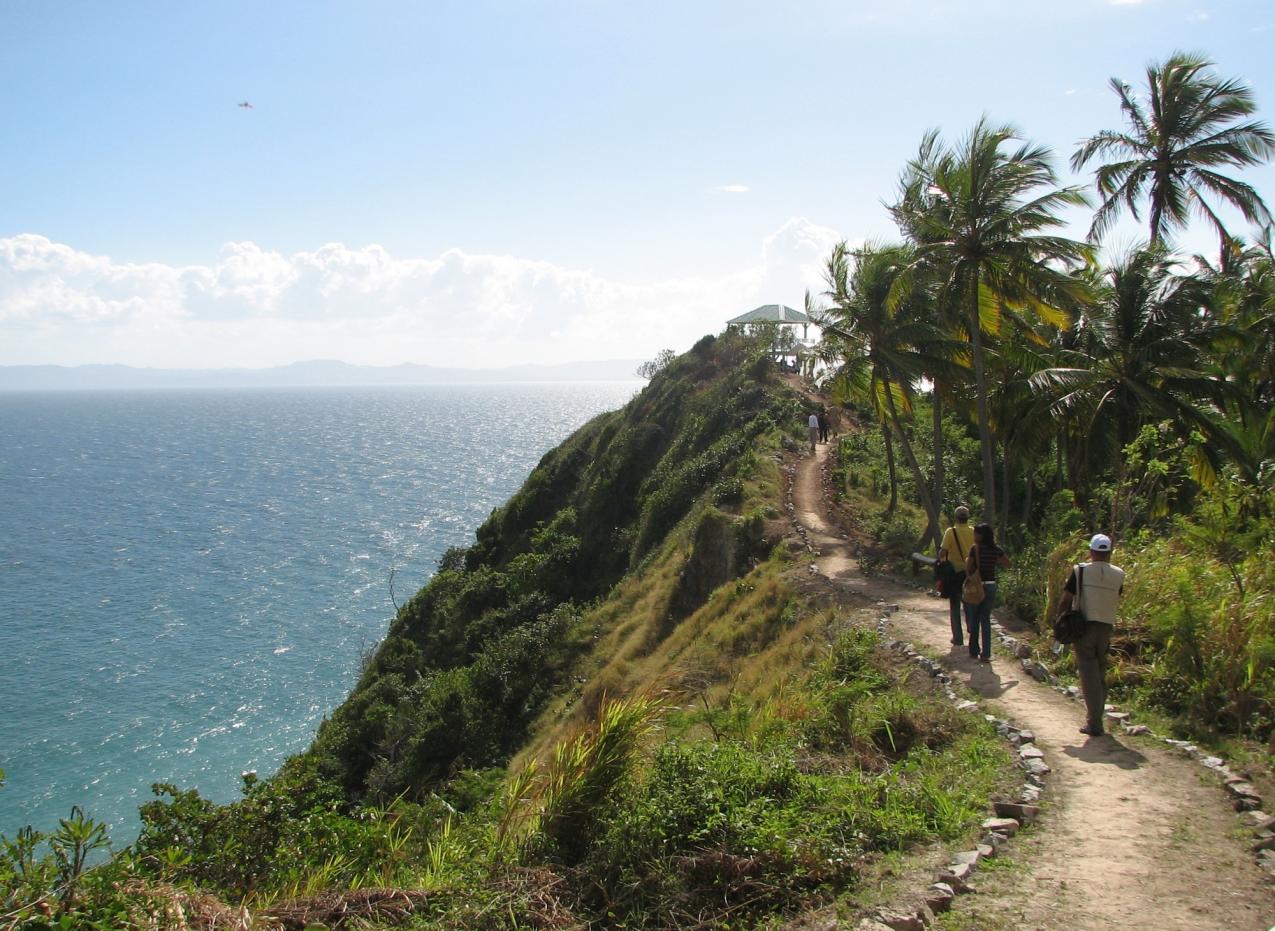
(1091, 666)
(953, 588)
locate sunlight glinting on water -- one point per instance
(188, 579)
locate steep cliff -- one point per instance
(626, 705)
(474, 656)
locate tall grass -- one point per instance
(583, 773)
(1200, 645)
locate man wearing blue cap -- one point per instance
(1095, 587)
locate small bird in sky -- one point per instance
(245, 105)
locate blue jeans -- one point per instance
(978, 621)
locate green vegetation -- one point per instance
(1063, 394)
(625, 707)
(614, 705)
(471, 660)
(615, 709)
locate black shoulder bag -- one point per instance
(1071, 625)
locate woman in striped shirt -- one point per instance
(985, 557)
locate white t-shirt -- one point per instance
(813, 422)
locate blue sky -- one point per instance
(483, 183)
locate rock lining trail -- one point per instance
(1133, 834)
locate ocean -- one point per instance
(189, 579)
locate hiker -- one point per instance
(985, 557)
(823, 425)
(812, 428)
(1100, 586)
(957, 540)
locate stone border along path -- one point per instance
(1126, 839)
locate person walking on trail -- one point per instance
(985, 557)
(823, 425)
(957, 541)
(1094, 588)
(812, 428)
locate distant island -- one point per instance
(316, 373)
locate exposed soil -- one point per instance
(1133, 834)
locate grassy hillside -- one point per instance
(471, 659)
(625, 705)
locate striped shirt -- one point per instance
(987, 556)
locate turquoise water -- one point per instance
(188, 579)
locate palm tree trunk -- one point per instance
(937, 433)
(1118, 498)
(908, 453)
(1002, 530)
(1027, 498)
(1157, 213)
(889, 464)
(984, 427)
(1075, 451)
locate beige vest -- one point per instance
(1100, 593)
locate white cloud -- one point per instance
(732, 188)
(796, 252)
(254, 307)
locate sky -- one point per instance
(478, 184)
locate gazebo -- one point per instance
(782, 314)
(786, 320)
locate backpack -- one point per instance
(1071, 625)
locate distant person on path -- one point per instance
(985, 557)
(823, 425)
(812, 429)
(957, 541)
(1101, 586)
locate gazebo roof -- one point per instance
(771, 313)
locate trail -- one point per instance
(1133, 835)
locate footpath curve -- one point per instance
(1133, 835)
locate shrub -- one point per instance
(1209, 649)
(728, 491)
(51, 876)
(772, 804)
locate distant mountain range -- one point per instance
(300, 374)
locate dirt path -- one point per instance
(1133, 835)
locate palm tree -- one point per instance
(1244, 296)
(1243, 299)
(835, 351)
(881, 348)
(1020, 419)
(1142, 354)
(1185, 127)
(980, 217)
